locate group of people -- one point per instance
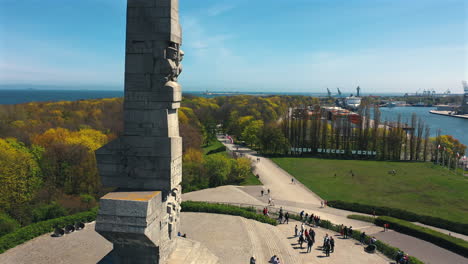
(262, 192)
(328, 245)
(305, 236)
(283, 217)
(346, 232)
(311, 220)
(274, 260)
(401, 258)
(323, 203)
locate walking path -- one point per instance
(232, 239)
(297, 197)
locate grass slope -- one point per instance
(212, 146)
(419, 187)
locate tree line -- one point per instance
(47, 162)
(316, 128)
(48, 167)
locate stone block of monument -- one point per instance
(145, 163)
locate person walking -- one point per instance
(327, 248)
(312, 234)
(268, 191)
(345, 232)
(261, 192)
(310, 243)
(301, 240)
(295, 231)
(301, 214)
(253, 260)
(292, 180)
(325, 240)
(286, 218)
(332, 244)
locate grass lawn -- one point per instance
(212, 146)
(419, 187)
(251, 180)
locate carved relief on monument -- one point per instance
(171, 66)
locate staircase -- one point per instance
(191, 252)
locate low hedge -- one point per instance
(29, 232)
(461, 228)
(250, 213)
(386, 249)
(364, 218)
(454, 244)
(7, 224)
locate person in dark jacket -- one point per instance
(310, 243)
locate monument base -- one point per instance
(138, 225)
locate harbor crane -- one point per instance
(329, 93)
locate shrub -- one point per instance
(48, 211)
(26, 233)
(88, 200)
(7, 224)
(454, 244)
(249, 212)
(364, 218)
(461, 228)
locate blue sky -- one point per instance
(247, 45)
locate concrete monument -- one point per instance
(141, 218)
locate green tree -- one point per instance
(217, 168)
(252, 131)
(273, 141)
(240, 170)
(19, 174)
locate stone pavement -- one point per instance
(232, 239)
(296, 197)
(84, 246)
(235, 239)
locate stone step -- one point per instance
(268, 241)
(204, 256)
(191, 252)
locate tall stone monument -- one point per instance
(141, 218)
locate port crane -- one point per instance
(329, 93)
